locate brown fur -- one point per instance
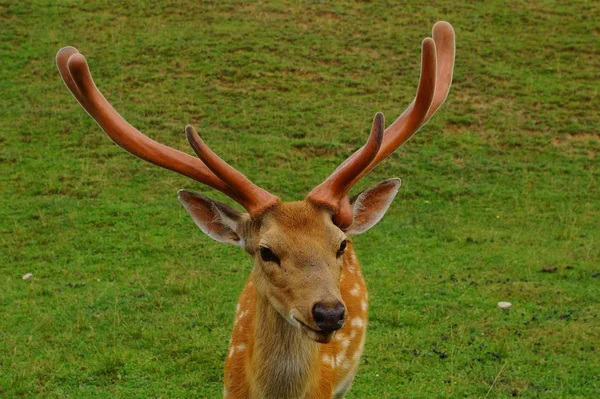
(269, 355)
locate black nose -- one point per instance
(329, 317)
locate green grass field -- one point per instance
(500, 201)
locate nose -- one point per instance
(329, 317)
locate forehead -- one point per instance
(293, 218)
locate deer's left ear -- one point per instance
(369, 206)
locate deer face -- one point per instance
(298, 251)
(298, 256)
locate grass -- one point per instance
(129, 299)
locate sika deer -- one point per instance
(299, 326)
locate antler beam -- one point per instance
(437, 64)
(75, 73)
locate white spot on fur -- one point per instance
(231, 351)
(242, 315)
(340, 357)
(363, 305)
(359, 350)
(241, 347)
(351, 269)
(329, 360)
(344, 385)
(237, 315)
(355, 291)
(345, 344)
(358, 322)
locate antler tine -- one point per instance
(62, 60)
(445, 46)
(75, 73)
(255, 199)
(336, 187)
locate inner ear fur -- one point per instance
(369, 206)
(219, 221)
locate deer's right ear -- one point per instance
(219, 221)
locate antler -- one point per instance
(437, 63)
(210, 169)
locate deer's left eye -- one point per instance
(342, 248)
(267, 255)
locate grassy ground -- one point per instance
(130, 300)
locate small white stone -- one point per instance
(504, 305)
(27, 276)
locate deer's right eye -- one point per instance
(267, 255)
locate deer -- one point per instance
(300, 322)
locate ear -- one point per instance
(369, 206)
(217, 220)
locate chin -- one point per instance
(317, 336)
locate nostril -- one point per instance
(319, 313)
(327, 317)
(340, 310)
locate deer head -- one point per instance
(297, 247)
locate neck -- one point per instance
(284, 357)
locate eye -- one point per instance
(267, 255)
(342, 248)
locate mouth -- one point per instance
(322, 337)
